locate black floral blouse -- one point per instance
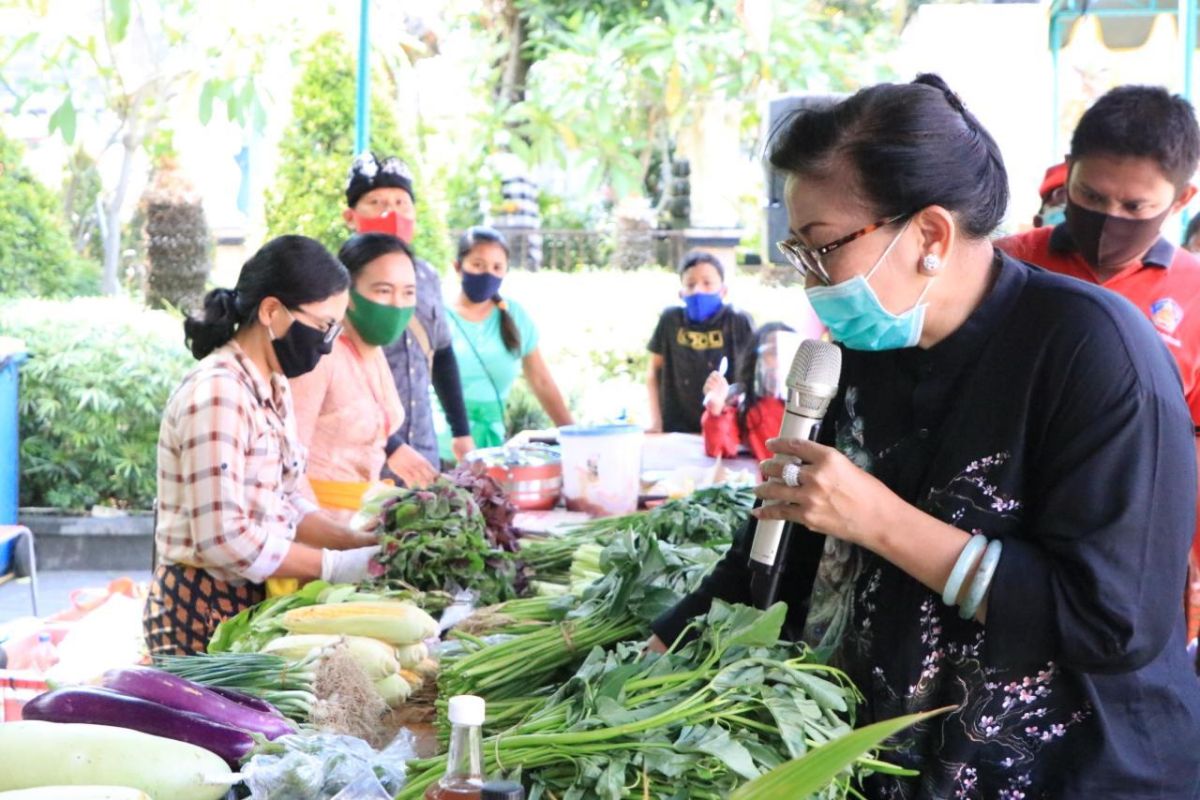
(1054, 420)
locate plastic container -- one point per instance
(12, 355)
(602, 467)
(45, 654)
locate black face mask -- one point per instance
(1105, 241)
(300, 348)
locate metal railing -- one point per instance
(569, 250)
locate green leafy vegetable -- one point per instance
(697, 722)
(436, 538)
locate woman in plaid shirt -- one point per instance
(229, 511)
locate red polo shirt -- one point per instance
(1165, 286)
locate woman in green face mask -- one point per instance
(347, 409)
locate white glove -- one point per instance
(346, 566)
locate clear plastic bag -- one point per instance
(462, 606)
(318, 766)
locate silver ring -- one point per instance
(791, 475)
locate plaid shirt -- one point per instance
(229, 464)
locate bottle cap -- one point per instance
(502, 790)
(467, 709)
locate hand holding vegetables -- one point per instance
(411, 467)
(347, 566)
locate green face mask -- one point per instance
(376, 323)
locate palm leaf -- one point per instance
(813, 772)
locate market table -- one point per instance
(667, 458)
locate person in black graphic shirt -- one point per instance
(690, 342)
(996, 512)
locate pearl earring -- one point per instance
(931, 263)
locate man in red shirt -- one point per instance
(1132, 159)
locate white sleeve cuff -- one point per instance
(303, 507)
(268, 561)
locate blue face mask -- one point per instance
(480, 286)
(702, 307)
(1054, 216)
(855, 317)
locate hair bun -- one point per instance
(937, 82)
(225, 302)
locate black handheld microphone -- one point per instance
(812, 384)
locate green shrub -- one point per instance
(91, 398)
(318, 146)
(36, 256)
(523, 412)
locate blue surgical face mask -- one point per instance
(1053, 216)
(855, 317)
(701, 307)
(480, 286)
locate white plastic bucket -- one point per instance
(602, 467)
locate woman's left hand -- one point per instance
(834, 497)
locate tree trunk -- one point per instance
(111, 280)
(516, 61)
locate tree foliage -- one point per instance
(36, 256)
(120, 82)
(92, 397)
(609, 87)
(318, 147)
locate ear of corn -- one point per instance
(413, 679)
(393, 622)
(378, 659)
(394, 690)
(411, 655)
(297, 648)
(428, 668)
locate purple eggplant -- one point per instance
(105, 707)
(184, 695)
(249, 700)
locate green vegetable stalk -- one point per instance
(709, 518)
(697, 722)
(642, 578)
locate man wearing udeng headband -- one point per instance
(380, 199)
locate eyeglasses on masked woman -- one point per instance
(808, 260)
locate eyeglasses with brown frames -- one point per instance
(807, 260)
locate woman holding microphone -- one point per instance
(1002, 494)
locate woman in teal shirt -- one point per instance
(492, 337)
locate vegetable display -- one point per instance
(643, 577)
(185, 695)
(278, 683)
(252, 629)
(394, 623)
(437, 538)
(696, 723)
(40, 754)
(707, 518)
(104, 707)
